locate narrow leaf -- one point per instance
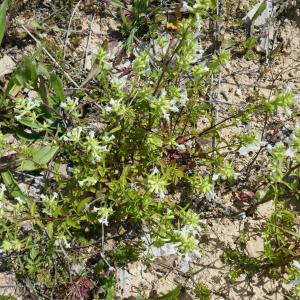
(117, 3)
(295, 234)
(13, 187)
(72, 223)
(81, 205)
(173, 295)
(58, 86)
(259, 11)
(21, 133)
(3, 10)
(49, 229)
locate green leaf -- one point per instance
(44, 154)
(173, 295)
(228, 43)
(41, 156)
(32, 208)
(130, 40)
(116, 129)
(3, 10)
(72, 223)
(81, 205)
(28, 165)
(58, 86)
(259, 11)
(49, 229)
(29, 70)
(35, 24)
(295, 234)
(29, 122)
(3, 297)
(13, 187)
(42, 89)
(27, 136)
(117, 3)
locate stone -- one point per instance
(7, 65)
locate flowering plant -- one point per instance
(129, 161)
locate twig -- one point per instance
(105, 260)
(69, 26)
(165, 68)
(215, 125)
(268, 196)
(50, 56)
(88, 41)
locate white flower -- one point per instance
(263, 143)
(163, 93)
(173, 106)
(62, 239)
(296, 264)
(32, 103)
(121, 81)
(113, 102)
(185, 7)
(181, 148)
(288, 111)
(86, 208)
(67, 245)
(3, 187)
(55, 195)
(133, 185)
(211, 195)
(76, 268)
(108, 108)
(154, 170)
(63, 105)
(161, 195)
(96, 209)
(295, 282)
(91, 133)
(103, 214)
(166, 116)
(269, 148)
(184, 98)
(73, 135)
(108, 138)
(97, 158)
(215, 176)
(289, 87)
(290, 152)
(19, 200)
(103, 220)
(236, 175)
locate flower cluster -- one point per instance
(71, 106)
(156, 183)
(103, 214)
